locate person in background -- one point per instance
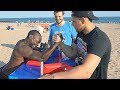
(65, 28)
(61, 26)
(96, 43)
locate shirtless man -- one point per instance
(26, 49)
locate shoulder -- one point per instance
(21, 44)
(99, 31)
(101, 34)
(68, 23)
(98, 42)
(52, 25)
(23, 48)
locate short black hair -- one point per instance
(59, 11)
(34, 33)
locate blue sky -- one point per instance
(26, 14)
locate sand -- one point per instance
(8, 39)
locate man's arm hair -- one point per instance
(69, 51)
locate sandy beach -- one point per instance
(8, 39)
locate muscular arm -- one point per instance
(28, 52)
(69, 51)
(48, 52)
(83, 71)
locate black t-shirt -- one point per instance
(98, 43)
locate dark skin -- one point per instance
(27, 48)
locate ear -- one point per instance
(30, 37)
(83, 20)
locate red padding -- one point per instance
(33, 62)
(55, 67)
(51, 68)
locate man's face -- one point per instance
(78, 24)
(35, 42)
(59, 17)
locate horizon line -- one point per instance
(52, 17)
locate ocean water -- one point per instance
(51, 19)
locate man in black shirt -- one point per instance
(92, 46)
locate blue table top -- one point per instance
(33, 72)
(26, 72)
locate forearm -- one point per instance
(49, 43)
(69, 51)
(36, 55)
(44, 55)
(48, 52)
(77, 72)
(83, 71)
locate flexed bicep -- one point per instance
(28, 52)
(25, 51)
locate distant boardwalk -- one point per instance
(44, 25)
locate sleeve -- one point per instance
(75, 41)
(73, 31)
(98, 47)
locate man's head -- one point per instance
(59, 16)
(34, 38)
(88, 14)
(81, 18)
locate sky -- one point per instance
(33, 14)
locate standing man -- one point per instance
(65, 28)
(96, 43)
(61, 26)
